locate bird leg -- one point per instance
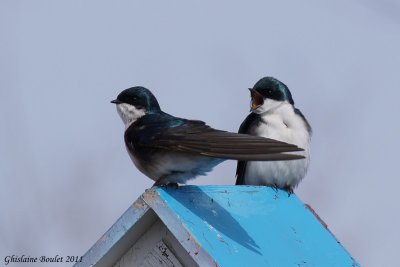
(288, 189)
(275, 187)
(160, 181)
(173, 185)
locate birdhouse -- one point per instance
(217, 226)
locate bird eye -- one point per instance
(270, 91)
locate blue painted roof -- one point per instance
(243, 226)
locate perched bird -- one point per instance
(274, 116)
(168, 149)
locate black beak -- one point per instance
(116, 101)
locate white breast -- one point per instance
(285, 125)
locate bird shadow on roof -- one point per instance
(213, 214)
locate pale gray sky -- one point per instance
(65, 176)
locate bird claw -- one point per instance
(161, 182)
(275, 187)
(289, 190)
(173, 185)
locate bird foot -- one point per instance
(288, 189)
(161, 182)
(173, 185)
(275, 187)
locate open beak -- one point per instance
(116, 101)
(256, 99)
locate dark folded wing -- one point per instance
(251, 121)
(240, 172)
(197, 138)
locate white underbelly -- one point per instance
(175, 167)
(280, 173)
(276, 173)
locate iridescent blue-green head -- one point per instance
(268, 93)
(135, 102)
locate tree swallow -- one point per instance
(274, 116)
(168, 149)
